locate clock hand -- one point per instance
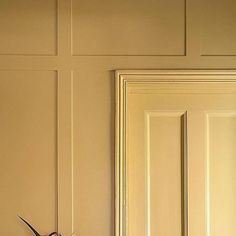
(35, 232)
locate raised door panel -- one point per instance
(165, 173)
(155, 171)
(221, 177)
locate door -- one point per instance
(176, 153)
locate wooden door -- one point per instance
(176, 153)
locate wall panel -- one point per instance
(218, 31)
(112, 31)
(128, 27)
(28, 27)
(28, 150)
(94, 162)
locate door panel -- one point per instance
(164, 151)
(221, 177)
(153, 173)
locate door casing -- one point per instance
(142, 78)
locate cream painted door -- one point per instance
(179, 154)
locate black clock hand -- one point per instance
(35, 232)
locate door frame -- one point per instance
(126, 78)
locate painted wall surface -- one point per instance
(57, 63)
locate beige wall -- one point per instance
(57, 63)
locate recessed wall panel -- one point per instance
(218, 31)
(221, 175)
(28, 151)
(28, 27)
(94, 164)
(128, 27)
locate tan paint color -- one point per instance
(38, 44)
